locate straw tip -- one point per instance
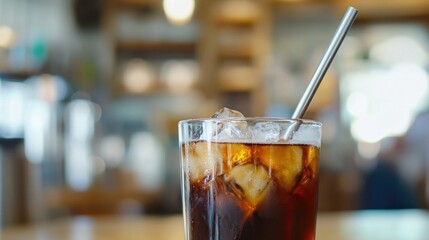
(351, 8)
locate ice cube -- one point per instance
(309, 173)
(204, 160)
(266, 132)
(284, 162)
(227, 113)
(195, 131)
(249, 182)
(237, 154)
(312, 158)
(234, 130)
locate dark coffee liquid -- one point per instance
(251, 191)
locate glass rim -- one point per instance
(252, 119)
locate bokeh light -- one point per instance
(138, 76)
(382, 102)
(7, 37)
(179, 75)
(179, 11)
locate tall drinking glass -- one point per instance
(249, 178)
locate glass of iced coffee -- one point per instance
(249, 178)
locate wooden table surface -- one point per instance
(361, 225)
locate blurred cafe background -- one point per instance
(91, 92)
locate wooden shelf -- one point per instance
(155, 93)
(236, 54)
(155, 51)
(238, 13)
(423, 18)
(135, 3)
(238, 22)
(18, 75)
(156, 90)
(155, 46)
(224, 89)
(237, 84)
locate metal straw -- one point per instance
(318, 75)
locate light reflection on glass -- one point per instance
(79, 133)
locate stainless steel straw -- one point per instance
(321, 70)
